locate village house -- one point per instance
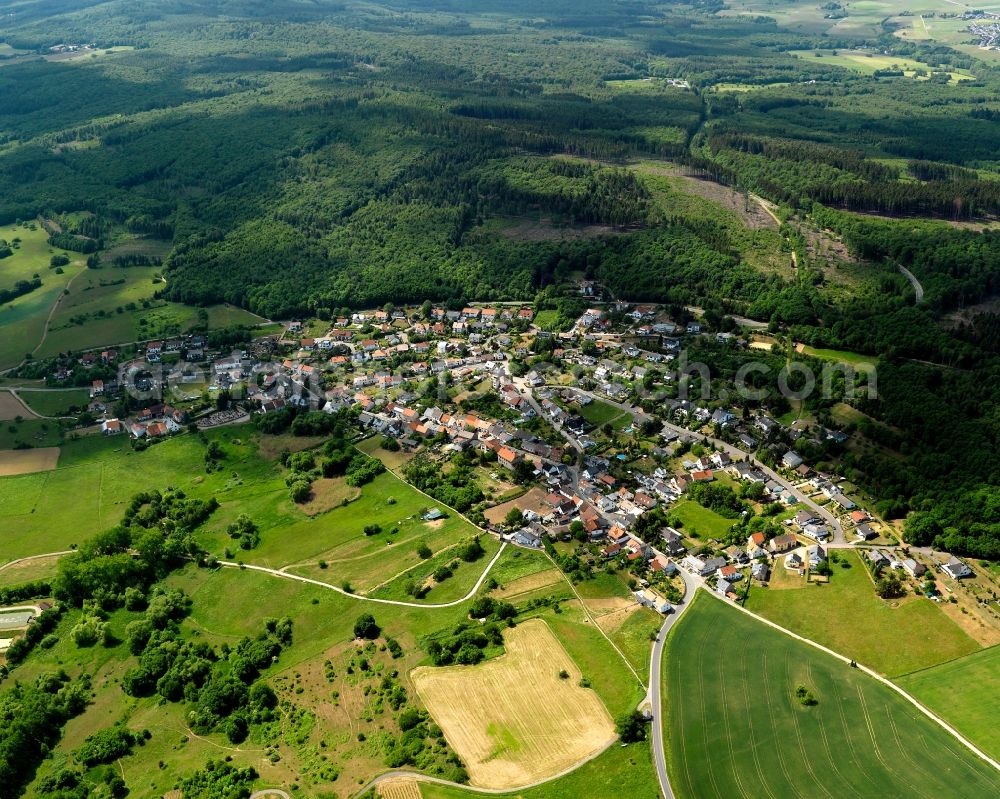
(651, 599)
(783, 543)
(956, 569)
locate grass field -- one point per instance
(861, 363)
(698, 519)
(514, 720)
(736, 728)
(56, 403)
(23, 319)
(868, 62)
(599, 413)
(616, 774)
(963, 692)
(100, 307)
(28, 571)
(111, 327)
(101, 474)
(892, 637)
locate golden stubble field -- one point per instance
(399, 789)
(28, 461)
(514, 720)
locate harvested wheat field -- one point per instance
(399, 789)
(28, 461)
(11, 407)
(513, 720)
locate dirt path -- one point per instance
(362, 598)
(768, 208)
(54, 308)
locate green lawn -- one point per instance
(893, 637)
(698, 519)
(963, 692)
(599, 413)
(736, 729)
(617, 774)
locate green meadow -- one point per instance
(963, 692)
(23, 319)
(618, 772)
(56, 403)
(891, 636)
(698, 519)
(737, 727)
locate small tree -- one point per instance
(514, 519)
(889, 586)
(631, 727)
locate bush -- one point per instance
(394, 648)
(88, 631)
(106, 746)
(299, 491)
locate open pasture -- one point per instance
(513, 720)
(963, 692)
(892, 637)
(868, 62)
(22, 321)
(56, 402)
(736, 728)
(616, 774)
